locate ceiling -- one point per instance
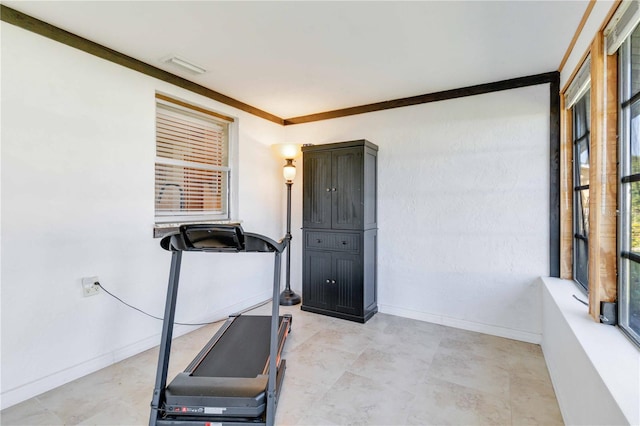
(304, 57)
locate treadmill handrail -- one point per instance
(220, 238)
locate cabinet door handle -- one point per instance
(333, 190)
(333, 281)
(344, 243)
(318, 241)
(328, 281)
(328, 189)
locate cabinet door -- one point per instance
(346, 177)
(317, 190)
(316, 286)
(347, 283)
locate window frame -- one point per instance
(627, 100)
(580, 212)
(600, 71)
(229, 198)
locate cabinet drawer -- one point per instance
(333, 241)
(346, 242)
(319, 240)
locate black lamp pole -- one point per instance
(288, 297)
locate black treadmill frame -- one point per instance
(216, 238)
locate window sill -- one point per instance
(162, 229)
(594, 368)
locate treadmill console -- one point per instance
(214, 238)
(220, 238)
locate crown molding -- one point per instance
(52, 32)
(479, 89)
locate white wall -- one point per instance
(463, 207)
(78, 147)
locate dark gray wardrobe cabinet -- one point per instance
(339, 229)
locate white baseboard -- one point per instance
(493, 330)
(29, 390)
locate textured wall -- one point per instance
(463, 207)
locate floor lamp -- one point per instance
(289, 152)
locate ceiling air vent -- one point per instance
(183, 63)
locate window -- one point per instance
(192, 168)
(629, 189)
(581, 113)
(576, 156)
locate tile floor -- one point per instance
(389, 371)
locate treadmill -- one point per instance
(236, 377)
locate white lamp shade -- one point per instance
(287, 150)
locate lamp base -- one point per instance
(289, 298)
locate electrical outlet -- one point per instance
(89, 286)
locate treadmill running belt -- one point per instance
(241, 352)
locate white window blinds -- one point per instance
(624, 20)
(580, 84)
(192, 164)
